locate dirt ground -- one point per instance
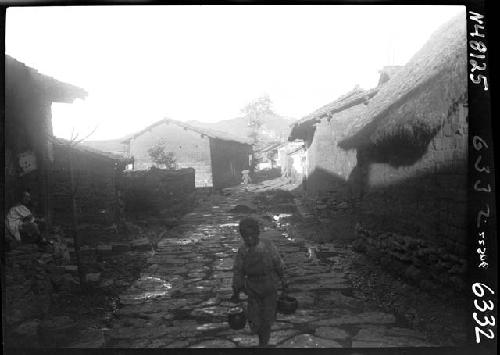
(170, 292)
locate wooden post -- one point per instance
(74, 213)
(44, 185)
(43, 182)
(43, 194)
(45, 165)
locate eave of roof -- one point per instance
(270, 147)
(88, 150)
(296, 150)
(354, 97)
(57, 90)
(202, 131)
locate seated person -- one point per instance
(21, 224)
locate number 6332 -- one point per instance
(487, 321)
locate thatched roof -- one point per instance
(18, 73)
(388, 72)
(202, 131)
(441, 60)
(88, 150)
(305, 126)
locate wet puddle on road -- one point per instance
(232, 224)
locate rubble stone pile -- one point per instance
(330, 203)
(32, 276)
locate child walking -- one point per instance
(258, 269)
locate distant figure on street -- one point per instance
(245, 179)
(22, 225)
(258, 268)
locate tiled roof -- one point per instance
(203, 131)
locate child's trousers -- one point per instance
(261, 310)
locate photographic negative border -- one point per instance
(482, 209)
(482, 235)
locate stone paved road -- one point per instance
(180, 300)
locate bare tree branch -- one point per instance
(72, 134)
(84, 138)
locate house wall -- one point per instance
(228, 160)
(292, 160)
(282, 158)
(95, 179)
(412, 210)
(329, 166)
(424, 196)
(298, 165)
(427, 199)
(416, 216)
(190, 150)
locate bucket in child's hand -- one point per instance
(287, 304)
(237, 318)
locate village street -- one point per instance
(122, 207)
(181, 298)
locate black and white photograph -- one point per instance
(248, 176)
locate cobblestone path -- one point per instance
(180, 300)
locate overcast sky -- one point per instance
(142, 63)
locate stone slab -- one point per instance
(333, 333)
(361, 318)
(309, 341)
(214, 343)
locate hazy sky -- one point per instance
(141, 63)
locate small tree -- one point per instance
(161, 157)
(255, 112)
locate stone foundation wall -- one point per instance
(32, 277)
(421, 262)
(157, 191)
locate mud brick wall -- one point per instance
(32, 279)
(329, 166)
(421, 262)
(415, 215)
(428, 199)
(424, 197)
(413, 209)
(28, 291)
(157, 191)
(95, 177)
